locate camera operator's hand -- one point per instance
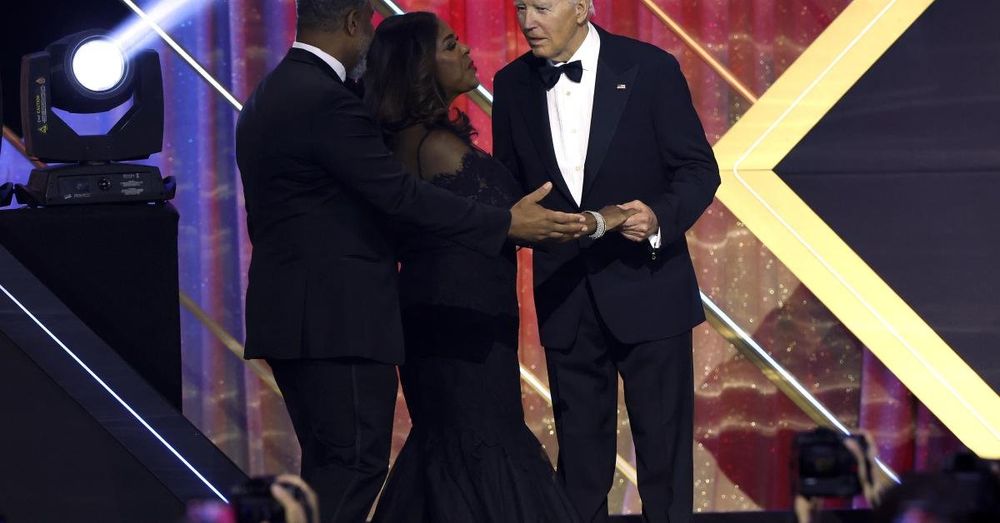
(806, 508)
(872, 482)
(294, 511)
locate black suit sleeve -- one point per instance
(503, 144)
(346, 142)
(685, 152)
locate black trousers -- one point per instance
(342, 411)
(659, 395)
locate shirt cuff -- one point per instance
(654, 240)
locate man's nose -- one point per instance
(529, 21)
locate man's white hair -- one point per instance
(590, 3)
(590, 9)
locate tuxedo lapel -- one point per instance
(611, 92)
(536, 117)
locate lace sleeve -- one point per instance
(439, 153)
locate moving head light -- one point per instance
(88, 73)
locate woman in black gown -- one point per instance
(469, 456)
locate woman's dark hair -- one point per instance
(401, 87)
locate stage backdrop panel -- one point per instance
(906, 169)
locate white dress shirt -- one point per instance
(326, 57)
(571, 105)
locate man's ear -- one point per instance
(352, 22)
(581, 10)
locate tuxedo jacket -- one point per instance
(318, 183)
(646, 143)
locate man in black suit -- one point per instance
(322, 304)
(609, 120)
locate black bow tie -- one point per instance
(550, 73)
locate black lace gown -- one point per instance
(469, 456)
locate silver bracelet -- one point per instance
(601, 227)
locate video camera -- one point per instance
(825, 467)
(252, 502)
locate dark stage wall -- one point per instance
(61, 463)
(906, 168)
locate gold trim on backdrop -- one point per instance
(15, 141)
(700, 50)
(536, 384)
(817, 79)
(387, 8)
(479, 97)
(228, 341)
(750, 151)
(780, 377)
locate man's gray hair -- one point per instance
(324, 15)
(591, 10)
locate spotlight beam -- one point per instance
(183, 54)
(165, 13)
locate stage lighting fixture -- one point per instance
(88, 73)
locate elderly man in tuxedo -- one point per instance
(609, 120)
